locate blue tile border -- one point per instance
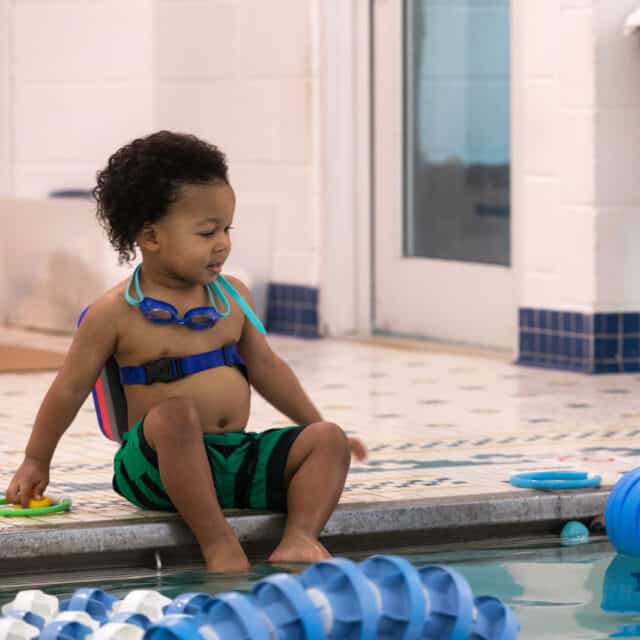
(293, 310)
(574, 341)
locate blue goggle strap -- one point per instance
(220, 294)
(248, 311)
(136, 283)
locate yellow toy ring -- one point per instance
(41, 507)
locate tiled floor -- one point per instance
(437, 424)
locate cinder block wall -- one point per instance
(78, 79)
(576, 125)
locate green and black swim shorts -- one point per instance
(247, 469)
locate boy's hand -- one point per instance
(29, 481)
(358, 449)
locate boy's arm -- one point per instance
(93, 343)
(270, 375)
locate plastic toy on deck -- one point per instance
(42, 507)
(549, 480)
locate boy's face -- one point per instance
(193, 238)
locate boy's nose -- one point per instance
(220, 252)
(221, 246)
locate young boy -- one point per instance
(169, 195)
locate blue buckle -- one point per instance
(227, 356)
(170, 369)
(163, 370)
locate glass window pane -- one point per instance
(457, 130)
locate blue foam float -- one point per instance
(621, 514)
(233, 616)
(174, 627)
(128, 617)
(192, 604)
(450, 606)
(614, 506)
(401, 594)
(383, 597)
(65, 630)
(344, 599)
(27, 616)
(493, 620)
(95, 602)
(290, 610)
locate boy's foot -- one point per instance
(226, 557)
(299, 547)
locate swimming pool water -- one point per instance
(586, 591)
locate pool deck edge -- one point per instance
(361, 519)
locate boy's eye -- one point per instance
(208, 234)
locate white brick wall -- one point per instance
(79, 78)
(244, 74)
(82, 87)
(617, 159)
(241, 74)
(6, 132)
(577, 138)
(554, 143)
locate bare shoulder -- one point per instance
(95, 340)
(104, 313)
(253, 345)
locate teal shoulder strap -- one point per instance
(248, 311)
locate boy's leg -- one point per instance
(172, 428)
(315, 473)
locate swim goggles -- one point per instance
(161, 312)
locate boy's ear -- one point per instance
(148, 238)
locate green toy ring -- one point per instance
(18, 512)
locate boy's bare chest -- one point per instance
(142, 341)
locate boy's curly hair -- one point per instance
(142, 179)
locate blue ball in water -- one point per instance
(574, 532)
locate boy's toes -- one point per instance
(299, 549)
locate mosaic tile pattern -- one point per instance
(591, 343)
(437, 424)
(292, 310)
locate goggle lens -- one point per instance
(159, 315)
(203, 319)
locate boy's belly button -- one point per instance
(224, 425)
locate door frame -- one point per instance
(344, 142)
(478, 305)
(344, 56)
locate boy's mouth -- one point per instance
(215, 267)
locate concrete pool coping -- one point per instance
(352, 526)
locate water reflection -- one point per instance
(585, 592)
(621, 593)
